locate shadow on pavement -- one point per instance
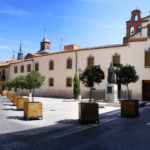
(16, 118)
(12, 109)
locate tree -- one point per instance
(76, 86)
(90, 76)
(8, 85)
(34, 80)
(128, 75)
(20, 82)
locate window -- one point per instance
(22, 69)
(148, 30)
(15, 69)
(132, 30)
(51, 82)
(69, 63)
(139, 29)
(29, 68)
(69, 82)
(36, 66)
(136, 17)
(116, 59)
(90, 61)
(51, 65)
(147, 58)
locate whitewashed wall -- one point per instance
(132, 54)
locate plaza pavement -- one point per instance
(113, 132)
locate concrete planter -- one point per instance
(129, 108)
(9, 95)
(88, 113)
(32, 110)
(14, 99)
(20, 103)
(5, 93)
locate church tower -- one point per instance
(20, 53)
(134, 24)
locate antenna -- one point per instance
(13, 54)
(20, 47)
(61, 43)
(45, 32)
(137, 8)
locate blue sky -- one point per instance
(84, 22)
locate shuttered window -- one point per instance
(15, 69)
(22, 69)
(36, 66)
(69, 63)
(51, 65)
(147, 59)
(29, 68)
(51, 82)
(148, 30)
(116, 59)
(69, 82)
(90, 61)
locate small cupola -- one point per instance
(45, 45)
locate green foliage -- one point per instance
(92, 75)
(8, 85)
(128, 75)
(34, 80)
(20, 82)
(76, 86)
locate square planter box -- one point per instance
(32, 110)
(14, 99)
(88, 113)
(20, 103)
(129, 108)
(5, 93)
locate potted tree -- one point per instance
(13, 96)
(32, 109)
(21, 84)
(88, 111)
(76, 87)
(7, 88)
(129, 107)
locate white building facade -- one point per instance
(59, 68)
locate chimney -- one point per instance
(71, 47)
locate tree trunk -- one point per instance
(33, 91)
(119, 90)
(90, 98)
(128, 93)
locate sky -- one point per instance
(84, 22)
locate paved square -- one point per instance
(60, 130)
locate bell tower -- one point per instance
(134, 24)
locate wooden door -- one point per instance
(146, 90)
